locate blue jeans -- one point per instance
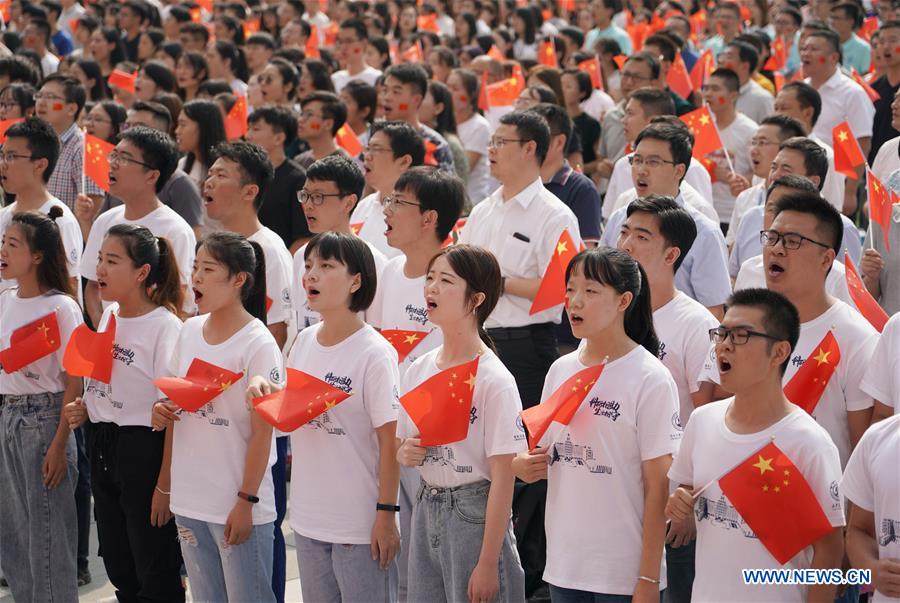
(331, 573)
(279, 479)
(218, 572)
(38, 532)
(409, 486)
(447, 532)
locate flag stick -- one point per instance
(697, 493)
(83, 159)
(869, 201)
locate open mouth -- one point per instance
(641, 185)
(312, 292)
(207, 199)
(101, 283)
(112, 179)
(3, 265)
(774, 270)
(575, 319)
(724, 365)
(197, 295)
(430, 304)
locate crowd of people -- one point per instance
(333, 206)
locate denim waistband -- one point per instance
(34, 400)
(473, 489)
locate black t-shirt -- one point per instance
(280, 210)
(588, 130)
(131, 47)
(882, 130)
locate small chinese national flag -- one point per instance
(495, 54)
(561, 406)
(483, 92)
(870, 91)
(638, 32)
(347, 140)
(4, 126)
(312, 44)
(869, 26)
(592, 68)
(403, 341)
(356, 227)
(702, 68)
(331, 33)
(806, 387)
(430, 157)
(547, 53)
(96, 160)
(252, 26)
(778, 58)
(706, 135)
(89, 353)
(413, 54)
(678, 78)
(775, 500)
(552, 290)
(30, 343)
(619, 60)
(847, 154)
(122, 80)
(881, 203)
(305, 398)
(504, 93)
(203, 382)
(428, 23)
(861, 297)
(236, 120)
(440, 406)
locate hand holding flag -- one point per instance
(305, 398)
(861, 297)
(440, 406)
(202, 384)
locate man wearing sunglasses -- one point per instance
(754, 345)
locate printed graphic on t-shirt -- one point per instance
(342, 383)
(662, 350)
(890, 531)
(578, 456)
(102, 391)
(443, 455)
(798, 360)
(605, 408)
(721, 514)
(417, 314)
(208, 412)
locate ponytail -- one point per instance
(42, 236)
(238, 255)
(163, 282)
(255, 297)
(615, 268)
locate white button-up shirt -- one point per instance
(843, 100)
(522, 233)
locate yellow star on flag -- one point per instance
(704, 120)
(821, 357)
(224, 385)
(470, 381)
(764, 465)
(561, 247)
(412, 338)
(842, 135)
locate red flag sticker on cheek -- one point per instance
(822, 60)
(403, 107)
(315, 126)
(463, 98)
(57, 106)
(897, 49)
(721, 100)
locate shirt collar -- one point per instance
(525, 197)
(562, 176)
(834, 80)
(69, 133)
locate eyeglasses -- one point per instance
(9, 157)
(316, 199)
(790, 240)
(48, 96)
(90, 119)
(737, 335)
(762, 142)
(310, 115)
(630, 75)
(499, 143)
(7, 105)
(650, 162)
(372, 150)
(391, 202)
(115, 158)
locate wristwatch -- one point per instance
(384, 507)
(248, 497)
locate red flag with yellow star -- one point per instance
(89, 353)
(236, 120)
(30, 343)
(346, 139)
(706, 135)
(505, 92)
(495, 54)
(203, 382)
(775, 500)
(592, 68)
(705, 65)
(4, 126)
(303, 399)
(122, 80)
(311, 50)
(806, 387)
(547, 53)
(561, 405)
(483, 93)
(861, 297)
(678, 77)
(413, 54)
(847, 154)
(96, 160)
(552, 290)
(403, 341)
(440, 406)
(881, 204)
(778, 58)
(870, 91)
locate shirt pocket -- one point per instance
(517, 257)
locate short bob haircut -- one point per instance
(354, 253)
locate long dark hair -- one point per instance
(42, 236)
(211, 126)
(445, 120)
(232, 53)
(615, 268)
(479, 269)
(163, 283)
(117, 116)
(91, 69)
(238, 254)
(112, 36)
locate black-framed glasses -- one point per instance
(115, 158)
(630, 75)
(374, 150)
(790, 240)
(390, 203)
(9, 157)
(737, 335)
(316, 199)
(651, 162)
(499, 143)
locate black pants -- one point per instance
(83, 498)
(143, 562)
(528, 353)
(680, 573)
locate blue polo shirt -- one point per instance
(578, 192)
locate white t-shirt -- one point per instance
(735, 139)
(682, 326)
(725, 543)
(871, 481)
(752, 275)
(856, 339)
(141, 352)
(334, 479)
(368, 213)
(882, 378)
(162, 222)
(595, 493)
(45, 374)
(494, 425)
(69, 230)
(341, 78)
(597, 104)
(209, 450)
(302, 315)
(400, 304)
(474, 134)
(278, 274)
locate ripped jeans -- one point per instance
(218, 572)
